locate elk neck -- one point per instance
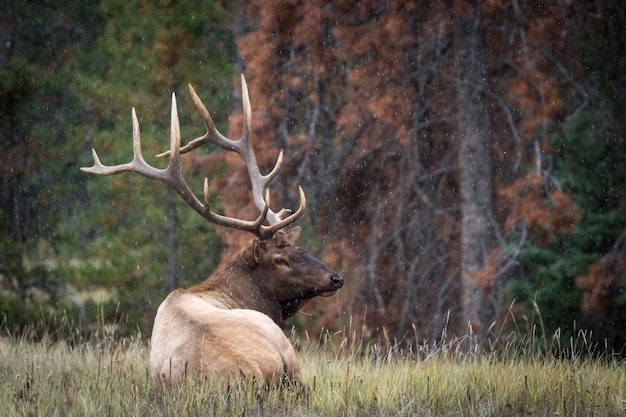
(237, 285)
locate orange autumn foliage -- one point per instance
(543, 210)
(604, 279)
(360, 95)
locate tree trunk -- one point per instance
(475, 162)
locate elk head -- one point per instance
(296, 276)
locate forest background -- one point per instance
(463, 161)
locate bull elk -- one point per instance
(229, 326)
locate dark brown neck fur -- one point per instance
(239, 286)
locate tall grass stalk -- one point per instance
(110, 377)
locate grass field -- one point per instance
(110, 378)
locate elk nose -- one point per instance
(336, 280)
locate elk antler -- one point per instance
(172, 174)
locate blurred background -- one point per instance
(464, 161)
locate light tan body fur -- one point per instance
(196, 336)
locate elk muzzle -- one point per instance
(336, 282)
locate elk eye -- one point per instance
(281, 261)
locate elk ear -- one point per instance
(250, 253)
(292, 235)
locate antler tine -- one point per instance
(243, 147)
(290, 219)
(172, 174)
(212, 135)
(174, 137)
(138, 164)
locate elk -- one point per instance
(230, 325)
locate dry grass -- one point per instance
(111, 378)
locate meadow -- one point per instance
(109, 376)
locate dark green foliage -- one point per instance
(145, 53)
(86, 247)
(589, 160)
(589, 163)
(38, 179)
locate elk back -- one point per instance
(194, 335)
